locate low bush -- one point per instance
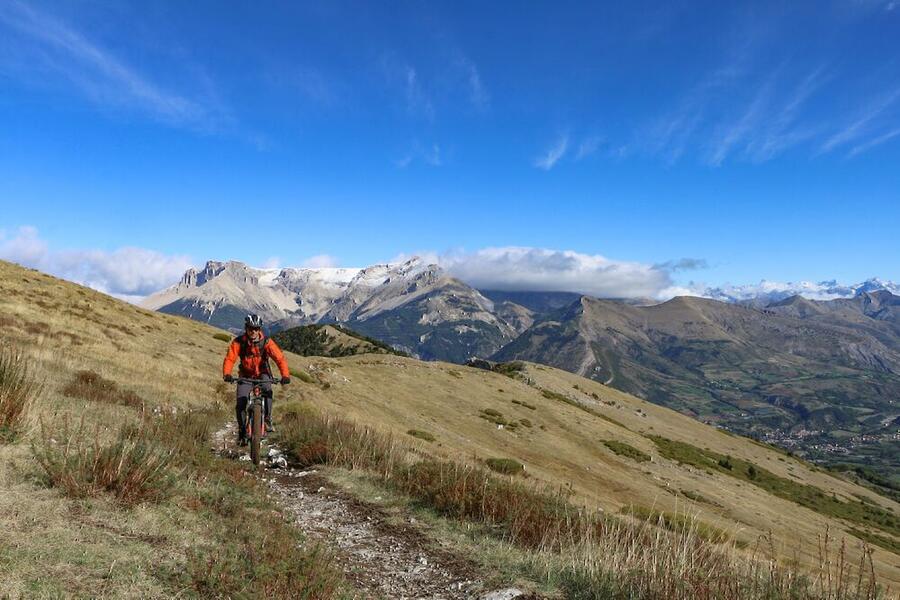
(422, 435)
(525, 404)
(89, 385)
(224, 337)
(17, 388)
(132, 468)
(623, 449)
(507, 466)
(494, 416)
(510, 369)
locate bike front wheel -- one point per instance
(255, 432)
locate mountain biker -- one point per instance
(253, 349)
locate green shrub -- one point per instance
(695, 496)
(623, 449)
(17, 388)
(422, 435)
(304, 376)
(510, 369)
(507, 466)
(225, 337)
(494, 416)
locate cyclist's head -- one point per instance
(253, 325)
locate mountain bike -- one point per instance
(256, 425)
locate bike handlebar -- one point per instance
(249, 380)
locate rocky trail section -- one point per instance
(382, 558)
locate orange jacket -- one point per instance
(252, 363)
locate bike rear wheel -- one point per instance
(255, 432)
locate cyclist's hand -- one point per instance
(228, 379)
(285, 380)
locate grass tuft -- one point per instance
(17, 389)
(132, 468)
(224, 337)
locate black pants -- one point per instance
(243, 397)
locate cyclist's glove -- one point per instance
(285, 380)
(228, 379)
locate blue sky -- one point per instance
(759, 140)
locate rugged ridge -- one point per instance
(818, 376)
(414, 306)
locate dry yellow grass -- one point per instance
(55, 546)
(173, 362)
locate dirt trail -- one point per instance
(382, 559)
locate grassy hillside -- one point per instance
(816, 378)
(606, 449)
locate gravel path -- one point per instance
(382, 559)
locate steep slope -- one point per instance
(560, 424)
(801, 373)
(414, 306)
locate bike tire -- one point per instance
(255, 432)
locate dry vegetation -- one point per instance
(647, 554)
(196, 538)
(17, 390)
(115, 492)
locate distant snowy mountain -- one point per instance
(412, 305)
(767, 292)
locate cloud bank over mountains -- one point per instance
(132, 273)
(127, 273)
(540, 269)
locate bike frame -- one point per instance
(256, 426)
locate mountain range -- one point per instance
(818, 376)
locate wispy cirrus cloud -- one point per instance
(429, 155)
(588, 146)
(478, 94)
(38, 43)
(717, 120)
(548, 159)
(864, 129)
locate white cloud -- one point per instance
(541, 269)
(320, 261)
(553, 154)
(273, 262)
(587, 147)
(430, 156)
(128, 272)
